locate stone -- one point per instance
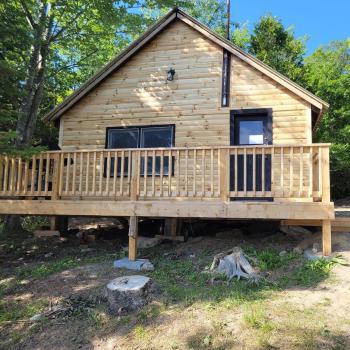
(48, 255)
(138, 265)
(147, 242)
(310, 255)
(295, 231)
(315, 248)
(283, 253)
(36, 317)
(128, 293)
(297, 250)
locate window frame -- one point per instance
(140, 135)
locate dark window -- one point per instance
(141, 137)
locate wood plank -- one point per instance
(326, 237)
(173, 208)
(133, 233)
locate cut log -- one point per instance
(128, 293)
(233, 263)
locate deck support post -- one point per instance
(326, 237)
(133, 232)
(54, 223)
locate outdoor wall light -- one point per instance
(170, 74)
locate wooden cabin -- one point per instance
(182, 124)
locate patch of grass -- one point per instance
(268, 259)
(97, 318)
(32, 223)
(14, 311)
(149, 313)
(312, 272)
(141, 333)
(255, 317)
(45, 269)
(183, 281)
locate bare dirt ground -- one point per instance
(299, 305)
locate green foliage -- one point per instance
(32, 223)
(327, 73)
(311, 272)
(276, 46)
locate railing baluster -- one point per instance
(178, 171)
(87, 173)
(81, 159)
(254, 170)
(67, 174)
(212, 172)
(74, 172)
(47, 173)
(122, 171)
(25, 182)
(203, 172)
(245, 172)
(115, 173)
(108, 174)
(186, 172)
(145, 171)
(263, 170)
(100, 174)
(236, 171)
(301, 171)
(291, 172)
(32, 185)
(272, 171)
(161, 173)
(311, 156)
(19, 177)
(129, 174)
(282, 171)
(170, 168)
(153, 172)
(60, 181)
(40, 173)
(194, 173)
(94, 174)
(320, 180)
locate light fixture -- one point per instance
(170, 74)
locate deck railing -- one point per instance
(285, 172)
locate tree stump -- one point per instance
(233, 263)
(128, 293)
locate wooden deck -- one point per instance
(262, 182)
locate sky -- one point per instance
(322, 20)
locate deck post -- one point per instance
(134, 175)
(133, 232)
(325, 186)
(326, 237)
(224, 174)
(55, 220)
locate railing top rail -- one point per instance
(186, 148)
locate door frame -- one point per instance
(251, 112)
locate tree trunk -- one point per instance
(33, 88)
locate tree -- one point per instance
(276, 46)
(327, 74)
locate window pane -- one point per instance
(251, 132)
(123, 138)
(156, 137)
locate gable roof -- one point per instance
(172, 15)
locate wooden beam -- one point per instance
(173, 208)
(326, 237)
(133, 232)
(170, 227)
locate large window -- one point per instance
(141, 137)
